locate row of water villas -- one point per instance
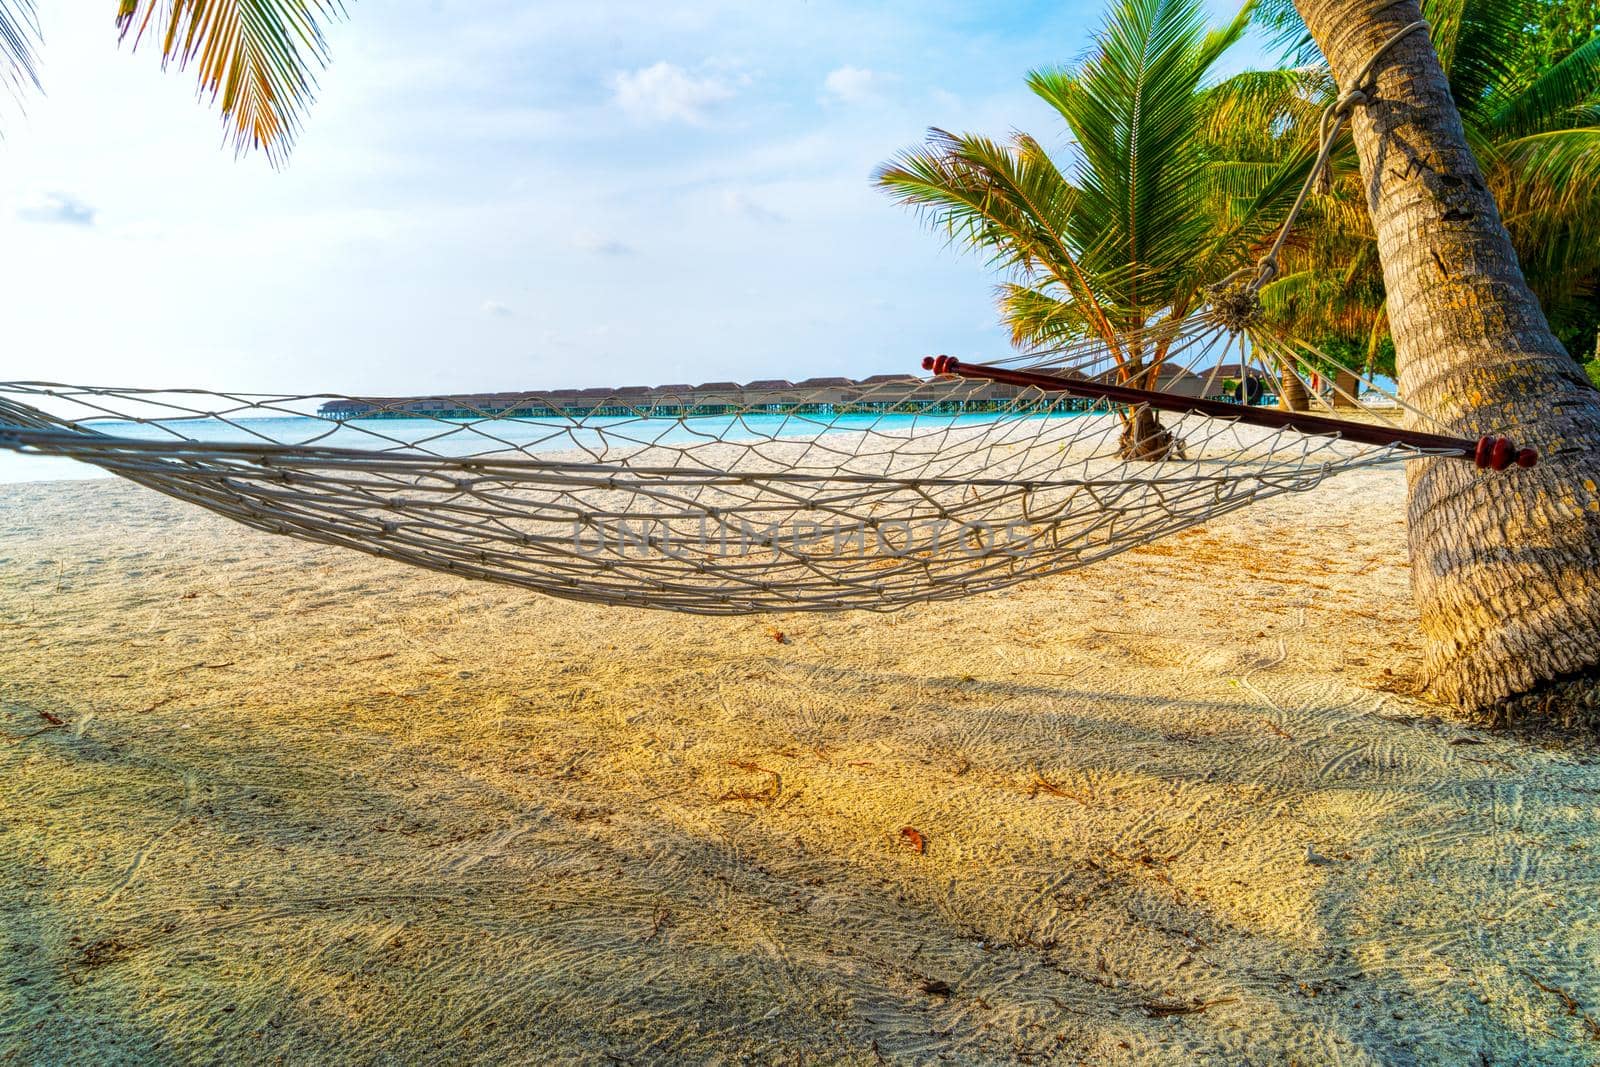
(879, 394)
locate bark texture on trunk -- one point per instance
(1144, 438)
(1346, 390)
(1292, 394)
(1505, 567)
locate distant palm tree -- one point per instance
(1129, 229)
(1525, 76)
(256, 59)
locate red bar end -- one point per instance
(1499, 453)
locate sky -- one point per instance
(498, 195)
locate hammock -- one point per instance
(724, 499)
(831, 494)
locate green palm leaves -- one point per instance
(256, 59)
(1010, 201)
(1125, 230)
(1133, 111)
(1171, 181)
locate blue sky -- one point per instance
(492, 194)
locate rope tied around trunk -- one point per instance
(1236, 301)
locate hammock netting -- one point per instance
(827, 495)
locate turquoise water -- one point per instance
(458, 438)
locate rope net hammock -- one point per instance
(826, 495)
(723, 499)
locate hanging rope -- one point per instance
(1238, 306)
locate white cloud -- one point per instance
(665, 92)
(514, 196)
(56, 209)
(597, 245)
(852, 85)
(141, 230)
(739, 202)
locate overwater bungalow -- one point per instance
(880, 393)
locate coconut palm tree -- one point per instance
(1525, 76)
(256, 59)
(1506, 570)
(1126, 232)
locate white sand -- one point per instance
(306, 804)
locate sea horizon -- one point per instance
(457, 437)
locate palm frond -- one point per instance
(1133, 111)
(1122, 236)
(1555, 99)
(19, 35)
(1218, 41)
(1525, 75)
(1260, 114)
(1477, 44)
(1242, 180)
(1008, 201)
(1558, 170)
(1038, 320)
(1252, 219)
(1548, 189)
(1285, 29)
(256, 59)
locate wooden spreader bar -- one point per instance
(1494, 453)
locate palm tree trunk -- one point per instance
(1292, 394)
(1144, 438)
(1346, 386)
(1505, 567)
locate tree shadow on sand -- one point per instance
(694, 868)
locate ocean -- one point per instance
(463, 437)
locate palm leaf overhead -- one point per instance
(1123, 234)
(1125, 230)
(1008, 200)
(256, 59)
(1475, 42)
(19, 35)
(1555, 98)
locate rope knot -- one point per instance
(1349, 101)
(1236, 306)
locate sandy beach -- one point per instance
(270, 801)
